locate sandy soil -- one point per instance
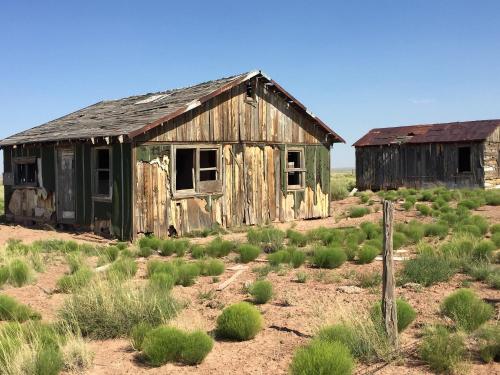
(299, 307)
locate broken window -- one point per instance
(184, 168)
(26, 172)
(102, 172)
(464, 163)
(197, 170)
(295, 169)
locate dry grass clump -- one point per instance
(109, 309)
(442, 350)
(76, 280)
(261, 291)
(248, 253)
(328, 257)
(12, 310)
(358, 211)
(268, 238)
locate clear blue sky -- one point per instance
(356, 64)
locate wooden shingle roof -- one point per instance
(134, 115)
(466, 131)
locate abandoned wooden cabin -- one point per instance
(455, 155)
(235, 151)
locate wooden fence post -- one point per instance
(389, 312)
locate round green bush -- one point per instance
(145, 252)
(347, 335)
(427, 269)
(442, 350)
(138, 333)
(297, 258)
(19, 273)
(197, 251)
(239, 322)
(214, 267)
(322, 357)
(406, 314)
(279, 257)
(398, 240)
(436, 230)
(467, 310)
(328, 257)
(162, 281)
(296, 238)
(187, 274)
(248, 253)
(367, 254)
(484, 250)
(218, 248)
(261, 291)
(195, 348)
(162, 345)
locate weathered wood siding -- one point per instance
(492, 161)
(232, 118)
(417, 165)
(252, 193)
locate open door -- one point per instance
(65, 186)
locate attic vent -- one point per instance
(152, 98)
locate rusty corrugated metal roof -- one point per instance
(432, 133)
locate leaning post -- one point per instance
(389, 312)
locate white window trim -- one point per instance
(301, 169)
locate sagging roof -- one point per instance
(134, 115)
(432, 133)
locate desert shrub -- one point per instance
(162, 281)
(358, 211)
(301, 277)
(327, 236)
(248, 253)
(424, 209)
(279, 257)
(213, 267)
(328, 257)
(495, 228)
(427, 269)
(158, 266)
(363, 197)
(480, 271)
(187, 274)
(10, 309)
(442, 350)
(297, 258)
(261, 291)
(75, 281)
(371, 230)
(369, 279)
(398, 240)
(322, 357)
(296, 238)
(48, 361)
(492, 197)
(470, 204)
(495, 238)
(218, 248)
(436, 230)
(122, 245)
(162, 345)
(177, 246)
(123, 268)
(76, 355)
(493, 280)
(110, 254)
(196, 347)
(19, 273)
(406, 314)
(483, 250)
(269, 238)
(240, 322)
(460, 247)
(477, 221)
(4, 275)
(110, 309)
(197, 251)
(349, 336)
(144, 252)
(351, 249)
(340, 185)
(138, 333)
(466, 309)
(75, 261)
(469, 229)
(488, 338)
(367, 254)
(414, 231)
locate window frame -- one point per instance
(470, 159)
(102, 197)
(199, 187)
(25, 160)
(301, 169)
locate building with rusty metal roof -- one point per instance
(456, 154)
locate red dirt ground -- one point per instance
(300, 307)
